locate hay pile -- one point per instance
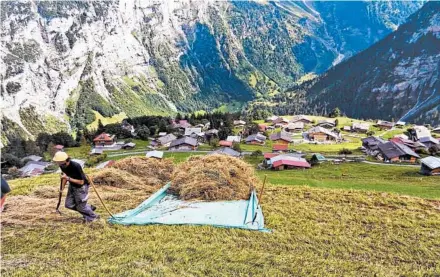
(213, 177)
(136, 173)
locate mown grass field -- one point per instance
(332, 220)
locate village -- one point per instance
(276, 143)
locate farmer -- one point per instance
(77, 193)
(4, 190)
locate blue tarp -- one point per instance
(164, 208)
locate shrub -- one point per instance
(257, 153)
(345, 151)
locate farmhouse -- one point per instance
(397, 152)
(185, 143)
(282, 162)
(226, 151)
(384, 124)
(430, 166)
(281, 138)
(271, 119)
(257, 139)
(301, 118)
(129, 145)
(436, 130)
(360, 127)
(429, 141)
(418, 132)
(280, 122)
(295, 127)
(400, 124)
(321, 134)
(327, 123)
(192, 132)
(104, 139)
(262, 127)
(371, 143)
(165, 141)
(33, 168)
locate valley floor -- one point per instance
(334, 220)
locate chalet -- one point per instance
(436, 130)
(226, 151)
(34, 158)
(384, 124)
(281, 138)
(280, 122)
(301, 118)
(225, 143)
(346, 128)
(185, 143)
(317, 159)
(239, 123)
(280, 148)
(165, 141)
(294, 127)
(282, 162)
(360, 127)
(428, 141)
(104, 139)
(256, 139)
(319, 133)
(33, 168)
(129, 145)
(201, 137)
(268, 156)
(400, 124)
(271, 119)
(262, 127)
(192, 132)
(155, 154)
(418, 132)
(327, 123)
(397, 152)
(371, 143)
(181, 125)
(430, 166)
(234, 138)
(105, 164)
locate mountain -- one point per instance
(396, 78)
(62, 61)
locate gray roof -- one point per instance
(385, 123)
(319, 129)
(212, 131)
(281, 135)
(361, 126)
(184, 140)
(190, 131)
(428, 139)
(226, 151)
(300, 117)
(34, 158)
(257, 137)
(166, 139)
(295, 125)
(31, 165)
(431, 162)
(392, 150)
(371, 140)
(233, 138)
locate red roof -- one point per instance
(398, 140)
(262, 127)
(58, 146)
(225, 143)
(280, 147)
(291, 163)
(104, 137)
(270, 155)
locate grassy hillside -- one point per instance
(316, 232)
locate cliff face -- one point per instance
(63, 60)
(397, 78)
